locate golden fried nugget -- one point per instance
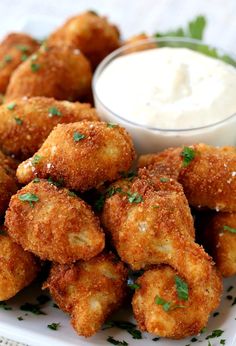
(83, 154)
(54, 223)
(169, 306)
(89, 291)
(139, 218)
(208, 174)
(90, 33)
(14, 49)
(26, 123)
(219, 238)
(18, 268)
(59, 72)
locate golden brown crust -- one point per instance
(59, 72)
(18, 268)
(219, 239)
(58, 226)
(101, 155)
(15, 48)
(89, 291)
(177, 322)
(24, 128)
(208, 180)
(90, 33)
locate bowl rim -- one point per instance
(102, 65)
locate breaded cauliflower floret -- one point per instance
(59, 72)
(53, 223)
(83, 154)
(89, 291)
(26, 123)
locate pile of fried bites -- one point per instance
(68, 196)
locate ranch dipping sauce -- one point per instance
(169, 94)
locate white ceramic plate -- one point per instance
(33, 329)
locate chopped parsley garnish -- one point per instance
(229, 297)
(99, 204)
(194, 339)
(215, 334)
(133, 286)
(57, 183)
(188, 155)
(155, 339)
(3, 305)
(11, 106)
(116, 342)
(33, 308)
(8, 58)
(54, 326)
(209, 344)
(53, 111)
(230, 229)
(111, 125)
(55, 306)
(22, 48)
(134, 197)
(128, 326)
(113, 190)
(29, 197)
(18, 121)
(234, 301)
(128, 175)
(164, 180)
(24, 57)
(216, 314)
(72, 194)
(203, 330)
(35, 67)
(182, 288)
(36, 159)
(36, 180)
(165, 305)
(20, 318)
(222, 342)
(230, 288)
(78, 136)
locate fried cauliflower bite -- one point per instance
(18, 268)
(26, 123)
(180, 317)
(90, 33)
(53, 223)
(89, 291)
(219, 238)
(14, 49)
(60, 72)
(83, 154)
(208, 174)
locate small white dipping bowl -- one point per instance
(151, 139)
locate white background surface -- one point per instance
(132, 16)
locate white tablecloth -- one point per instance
(132, 16)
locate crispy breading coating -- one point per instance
(54, 223)
(142, 221)
(26, 123)
(179, 318)
(59, 72)
(90, 33)
(83, 154)
(18, 268)
(14, 49)
(208, 179)
(89, 291)
(218, 235)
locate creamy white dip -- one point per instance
(168, 88)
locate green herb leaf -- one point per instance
(215, 334)
(11, 106)
(193, 339)
(3, 305)
(113, 190)
(24, 57)
(230, 229)
(128, 326)
(36, 159)
(36, 180)
(53, 111)
(111, 125)
(33, 308)
(134, 197)
(99, 204)
(54, 326)
(222, 341)
(128, 175)
(230, 288)
(160, 301)
(29, 197)
(134, 286)
(58, 183)
(196, 28)
(116, 342)
(20, 318)
(155, 339)
(35, 67)
(8, 58)
(22, 48)
(216, 314)
(78, 136)
(188, 155)
(182, 288)
(18, 121)
(164, 180)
